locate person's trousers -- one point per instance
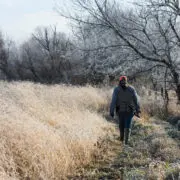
(125, 120)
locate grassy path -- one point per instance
(153, 153)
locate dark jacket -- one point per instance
(124, 100)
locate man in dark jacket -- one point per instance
(125, 101)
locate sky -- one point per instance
(19, 18)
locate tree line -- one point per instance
(107, 41)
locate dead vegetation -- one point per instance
(58, 132)
(153, 153)
(48, 131)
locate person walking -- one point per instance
(126, 104)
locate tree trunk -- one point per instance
(178, 92)
(177, 83)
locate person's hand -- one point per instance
(137, 114)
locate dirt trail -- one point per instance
(153, 153)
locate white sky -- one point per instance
(19, 18)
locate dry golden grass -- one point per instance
(153, 103)
(47, 131)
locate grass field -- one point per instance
(60, 132)
(46, 132)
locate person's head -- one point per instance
(123, 81)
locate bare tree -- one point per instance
(149, 33)
(55, 47)
(46, 57)
(28, 57)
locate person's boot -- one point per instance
(127, 133)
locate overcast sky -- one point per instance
(19, 18)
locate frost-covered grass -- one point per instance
(153, 152)
(53, 132)
(48, 131)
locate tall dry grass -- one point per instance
(48, 131)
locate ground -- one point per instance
(153, 153)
